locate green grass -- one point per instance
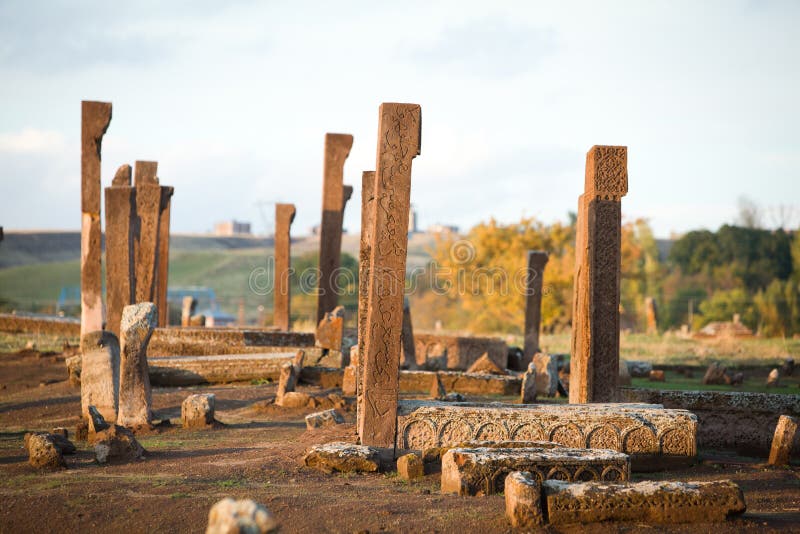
(753, 384)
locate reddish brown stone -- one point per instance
(162, 267)
(145, 237)
(457, 353)
(398, 144)
(595, 329)
(120, 224)
(537, 260)
(364, 253)
(95, 118)
(187, 309)
(657, 376)
(337, 148)
(651, 315)
(523, 495)
(330, 329)
(284, 216)
(410, 466)
(409, 359)
(784, 438)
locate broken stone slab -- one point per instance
(44, 453)
(546, 377)
(288, 380)
(330, 329)
(198, 341)
(528, 390)
(485, 366)
(244, 516)
(774, 378)
(639, 369)
(715, 374)
(116, 443)
(97, 422)
(324, 419)
(523, 494)
(100, 373)
(437, 391)
(197, 411)
(457, 353)
(410, 466)
(342, 457)
(434, 455)
(647, 432)
(784, 438)
(61, 441)
(460, 382)
(645, 502)
(135, 396)
(295, 399)
(482, 471)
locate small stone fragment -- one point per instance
(454, 396)
(523, 500)
(546, 377)
(240, 517)
(43, 453)
(299, 358)
(773, 380)
(410, 466)
(715, 374)
(324, 419)
(116, 443)
(96, 421)
(639, 369)
(624, 375)
(342, 457)
(349, 381)
(197, 320)
(644, 502)
(197, 411)
(330, 329)
(787, 369)
(73, 364)
(437, 388)
(63, 444)
(82, 431)
(528, 392)
(295, 399)
(485, 366)
(287, 381)
(60, 431)
(657, 376)
(783, 439)
(737, 379)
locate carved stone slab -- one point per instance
(635, 429)
(284, 216)
(537, 260)
(645, 502)
(483, 471)
(364, 253)
(100, 374)
(457, 353)
(399, 132)
(210, 341)
(120, 224)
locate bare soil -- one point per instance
(257, 455)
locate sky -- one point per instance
(233, 99)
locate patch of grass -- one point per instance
(679, 382)
(261, 381)
(230, 483)
(180, 495)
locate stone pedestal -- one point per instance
(284, 215)
(594, 365)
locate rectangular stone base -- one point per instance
(640, 430)
(435, 352)
(189, 341)
(483, 471)
(646, 502)
(459, 382)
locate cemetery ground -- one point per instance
(257, 455)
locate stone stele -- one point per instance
(644, 502)
(784, 439)
(135, 397)
(537, 260)
(523, 495)
(483, 471)
(284, 216)
(197, 411)
(643, 431)
(100, 374)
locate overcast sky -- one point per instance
(233, 100)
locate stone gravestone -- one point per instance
(782, 441)
(337, 148)
(120, 213)
(284, 216)
(95, 118)
(409, 351)
(398, 144)
(100, 374)
(594, 365)
(162, 273)
(146, 238)
(188, 306)
(537, 260)
(365, 250)
(136, 327)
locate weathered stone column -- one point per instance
(120, 212)
(146, 238)
(337, 148)
(409, 360)
(135, 397)
(162, 273)
(399, 132)
(100, 374)
(187, 309)
(365, 250)
(95, 118)
(537, 260)
(594, 365)
(284, 216)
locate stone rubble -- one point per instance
(523, 494)
(244, 516)
(324, 419)
(410, 466)
(342, 457)
(197, 411)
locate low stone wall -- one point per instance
(457, 353)
(189, 341)
(458, 382)
(649, 433)
(31, 324)
(727, 420)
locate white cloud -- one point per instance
(33, 141)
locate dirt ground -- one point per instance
(257, 455)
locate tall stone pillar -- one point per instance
(399, 132)
(120, 212)
(146, 238)
(162, 273)
(594, 366)
(365, 250)
(337, 148)
(95, 118)
(409, 360)
(284, 216)
(537, 260)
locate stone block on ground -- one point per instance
(482, 471)
(287, 382)
(73, 364)
(349, 381)
(44, 453)
(295, 399)
(116, 444)
(410, 466)
(197, 411)
(644, 502)
(639, 369)
(787, 369)
(523, 494)
(657, 376)
(715, 374)
(774, 378)
(60, 439)
(342, 457)
(324, 419)
(486, 366)
(782, 441)
(96, 420)
(546, 379)
(100, 373)
(528, 390)
(330, 329)
(244, 516)
(82, 431)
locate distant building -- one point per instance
(442, 229)
(412, 220)
(229, 228)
